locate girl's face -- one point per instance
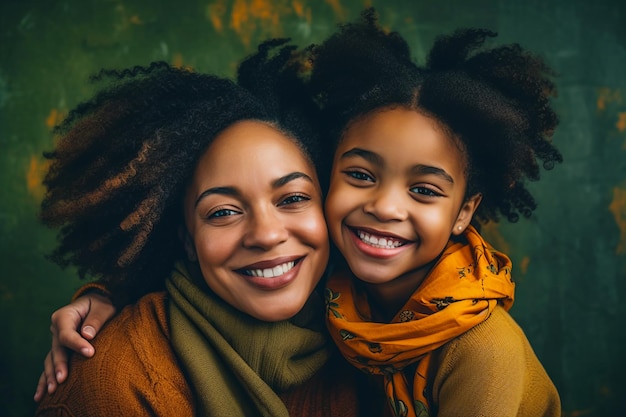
(254, 215)
(396, 195)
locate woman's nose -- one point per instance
(265, 230)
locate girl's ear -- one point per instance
(466, 214)
(190, 248)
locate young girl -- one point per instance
(422, 154)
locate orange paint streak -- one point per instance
(257, 19)
(298, 8)
(621, 122)
(524, 264)
(337, 9)
(216, 13)
(607, 96)
(37, 169)
(177, 60)
(302, 11)
(618, 208)
(54, 118)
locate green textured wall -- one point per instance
(570, 257)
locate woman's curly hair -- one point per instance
(123, 159)
(495, 102)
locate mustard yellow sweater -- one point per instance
(135, 373)
(492, 370)
(489, 371)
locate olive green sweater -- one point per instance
(135, 373)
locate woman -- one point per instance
(208, 189)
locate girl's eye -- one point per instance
(359, 175)
(425, 191)
(222, 213)
(294, 199)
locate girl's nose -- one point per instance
(265, 231)
(387, 203)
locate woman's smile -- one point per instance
(274, 274)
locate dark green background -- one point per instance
(570, 257)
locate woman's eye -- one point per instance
(359, 175)
(222, 213)
(425, 191)
(294, 199)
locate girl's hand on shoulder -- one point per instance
(88, 313)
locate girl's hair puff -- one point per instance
(495, 102)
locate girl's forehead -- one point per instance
(401, 137)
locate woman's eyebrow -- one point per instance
(232, 191)
(369, 156)
(290, 177)
(217, 190)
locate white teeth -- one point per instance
(271, 272)
(386, 243)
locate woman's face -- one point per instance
(253, 212)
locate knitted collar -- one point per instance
(235, 363)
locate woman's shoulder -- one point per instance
(134, 367)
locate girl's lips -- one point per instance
(377, 244)
(377, 238)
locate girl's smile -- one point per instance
(378, 244)
(397, 194)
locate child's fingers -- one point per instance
(41, 387)
(101, 310)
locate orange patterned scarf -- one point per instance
(461, 290)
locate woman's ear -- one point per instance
(190, 248)
(466, 214)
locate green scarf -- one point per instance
(236, 363)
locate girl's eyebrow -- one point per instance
(369, 156)
(376, 159)
(232, 191)
(431, 170)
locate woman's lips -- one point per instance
(274, 274)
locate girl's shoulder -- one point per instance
(493, 367)
(497, 340)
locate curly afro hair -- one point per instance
(494, 102)
(118, 173)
